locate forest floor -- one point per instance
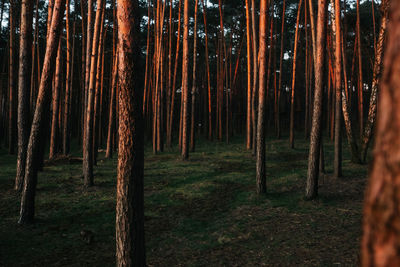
(203, 212)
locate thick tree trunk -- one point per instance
(88, 140)
(315, 137)
(380, 245)
(130, 244)
(25, 67)
(42, 105)
(185, 82)
(260, 151)
(375, 81)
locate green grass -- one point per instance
(203, 212)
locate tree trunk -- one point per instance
(255, 67)
(360, 75)
(194, 85)
(278, 126)
(375, 81)
(315, 137)
(11, 85)
(111, 113)
(296, 40)
(171, 115)
(130, 244)
(185, 82)
(248, 111)
(55, 104)
(25, 67)
(42, 105)
(68, 79)
(88, 140)
(260, 154)
(380, 246)
(337, 162)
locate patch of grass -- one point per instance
(201, 212)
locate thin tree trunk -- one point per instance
(194, 85)
(278, 132)
(11, 85)
(27, 210)
(248, 111)
(315, 137)
(380, 246)
(25, 58)
(360, 75)
(130, 243)
(296, 40)
(67, 83)
(185, 82)
(55, 104)
(96, 117)
(255, 67)
(208, 72)
(88, 140)
(337, 162)
(111, 113)
(171, 115)
(375, 81)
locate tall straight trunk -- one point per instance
(337, 163)
(366, 138)
(87, 164)
(208, 71)
(346, 113)
(315, 137)
(296, 40)
(248, 110)
(194, 84)
(27, 210)
(68, 79)
(146, 72)
(255, 67)
(312, 23)
(101, 101)
(96, 117)
(25, 58)
(11, 84)
(111, 112)
(33, 83)
(260, 156)
(185, 82)
(380, 246)
(169, 89)
(278, 131)
(130, 243)
(171, 115)
(360, 75)
(55, 104)
(89, 41)
(83, 69)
